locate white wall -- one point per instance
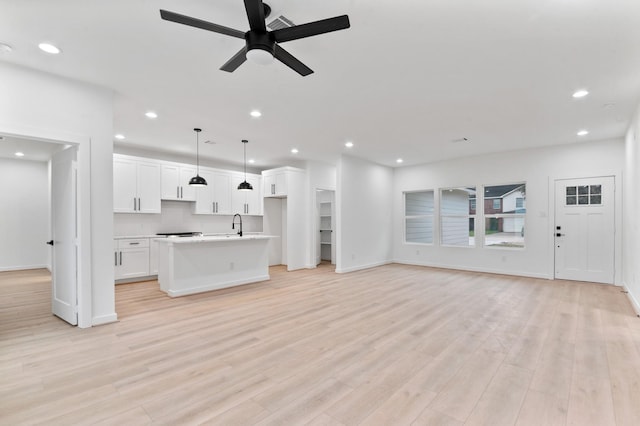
(538, 168)
(364, 196)
(177, 216)
(24, 214)
(631, 235)
(46, 107)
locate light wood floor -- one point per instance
(394, 345)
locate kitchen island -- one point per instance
(189, 265)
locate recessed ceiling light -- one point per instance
(580, 93)
(5, 48)
(251, 161)
(19, 154)
(583, 132)
(399, 160)
(151, 114)
(349, 144)
(294, 151)
(49, 48)
(255, 113)
(119, 136)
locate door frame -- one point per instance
(83, 160)
(617, 207)
(316, 230)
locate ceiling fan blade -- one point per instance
(255, 13)
(311, 29)
(289, 60)
(237, 60)
(199, 23)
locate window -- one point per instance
(418, 222)
(472, 204)
(584, 195)
(457, 218)
(505, 227)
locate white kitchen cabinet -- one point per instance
(246, 202)
(131, 258)
(136, 185)
(175, 182)
(153, 256)
(215, 198)
(274, 183)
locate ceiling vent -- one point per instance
(280, 22)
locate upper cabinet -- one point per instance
(215, 198)
(276, 181)
(175, 182)
(136, 185)
(246, 202)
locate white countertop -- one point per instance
(247, 234)
(215, 238)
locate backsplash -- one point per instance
(176, 216)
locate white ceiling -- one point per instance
(32, 150)
(405, 80)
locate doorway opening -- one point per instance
(324, 242)
(42, 207)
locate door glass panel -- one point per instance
(571, 200)
(571, 190)
(596, 189)
(596, 199)
(583, 190)
(583, 199)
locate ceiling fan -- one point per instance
(262, 45)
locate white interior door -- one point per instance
(64, 229)
(584, 230)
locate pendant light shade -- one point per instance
(197, 180)
(245, 186)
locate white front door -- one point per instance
(584, 230)
(64, 230)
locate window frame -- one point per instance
(432, 216)
(468, 216)
(503, 215)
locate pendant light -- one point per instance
(245, 186)
(197, 180)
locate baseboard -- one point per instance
(22, 268)
(361, 267)
(474, 269)
(633, 300)
(104, 319)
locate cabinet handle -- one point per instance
(213, 207)
(115, 255)
(134, 204)
(216, 207)
(177, 192)
(139, 208)
(134, 244)
(120, 258)
(181, 196)
(273, 189)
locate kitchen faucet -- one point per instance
(233, 224)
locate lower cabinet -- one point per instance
(131, 258)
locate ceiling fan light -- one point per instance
(259, 56)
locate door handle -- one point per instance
(181, 196)
(115, 255)
(120, 258)
(50, 242)
(177, 192)
(139, 208)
